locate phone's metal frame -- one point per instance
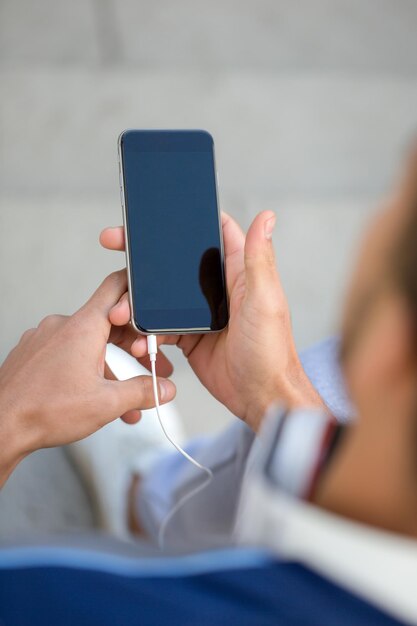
(165, 331)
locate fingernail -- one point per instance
(269, 227)
(165, 389)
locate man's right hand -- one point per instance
(54, 388)
(253, 362)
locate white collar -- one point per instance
(380, 567)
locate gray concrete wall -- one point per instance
(311, 104)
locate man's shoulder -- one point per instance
(230, 587)
(289, 593)
(295, 594)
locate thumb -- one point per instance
(259, 252)
(137, 393)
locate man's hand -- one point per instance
(253, 362)
(53, 385)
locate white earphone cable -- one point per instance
(152, 351)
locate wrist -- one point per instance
(15, 438)
(302, 393)
(296, 392)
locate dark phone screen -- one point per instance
(176, 262)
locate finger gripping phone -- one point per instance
(174, 246)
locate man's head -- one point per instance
(374, 476)
(379, 345)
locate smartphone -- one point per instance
(174, 245)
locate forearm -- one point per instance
(14, 439)
(7, 465)
(10, 455)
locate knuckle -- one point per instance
(118, 277)
(145, 388)
(261, 260)
(58, 320)
(46, 322)
(51, 321)
(27, 334)
(270, 259)
(114, 283)
(251, 261)
(133, 395)
(113, 402)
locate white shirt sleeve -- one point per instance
(207, 520)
